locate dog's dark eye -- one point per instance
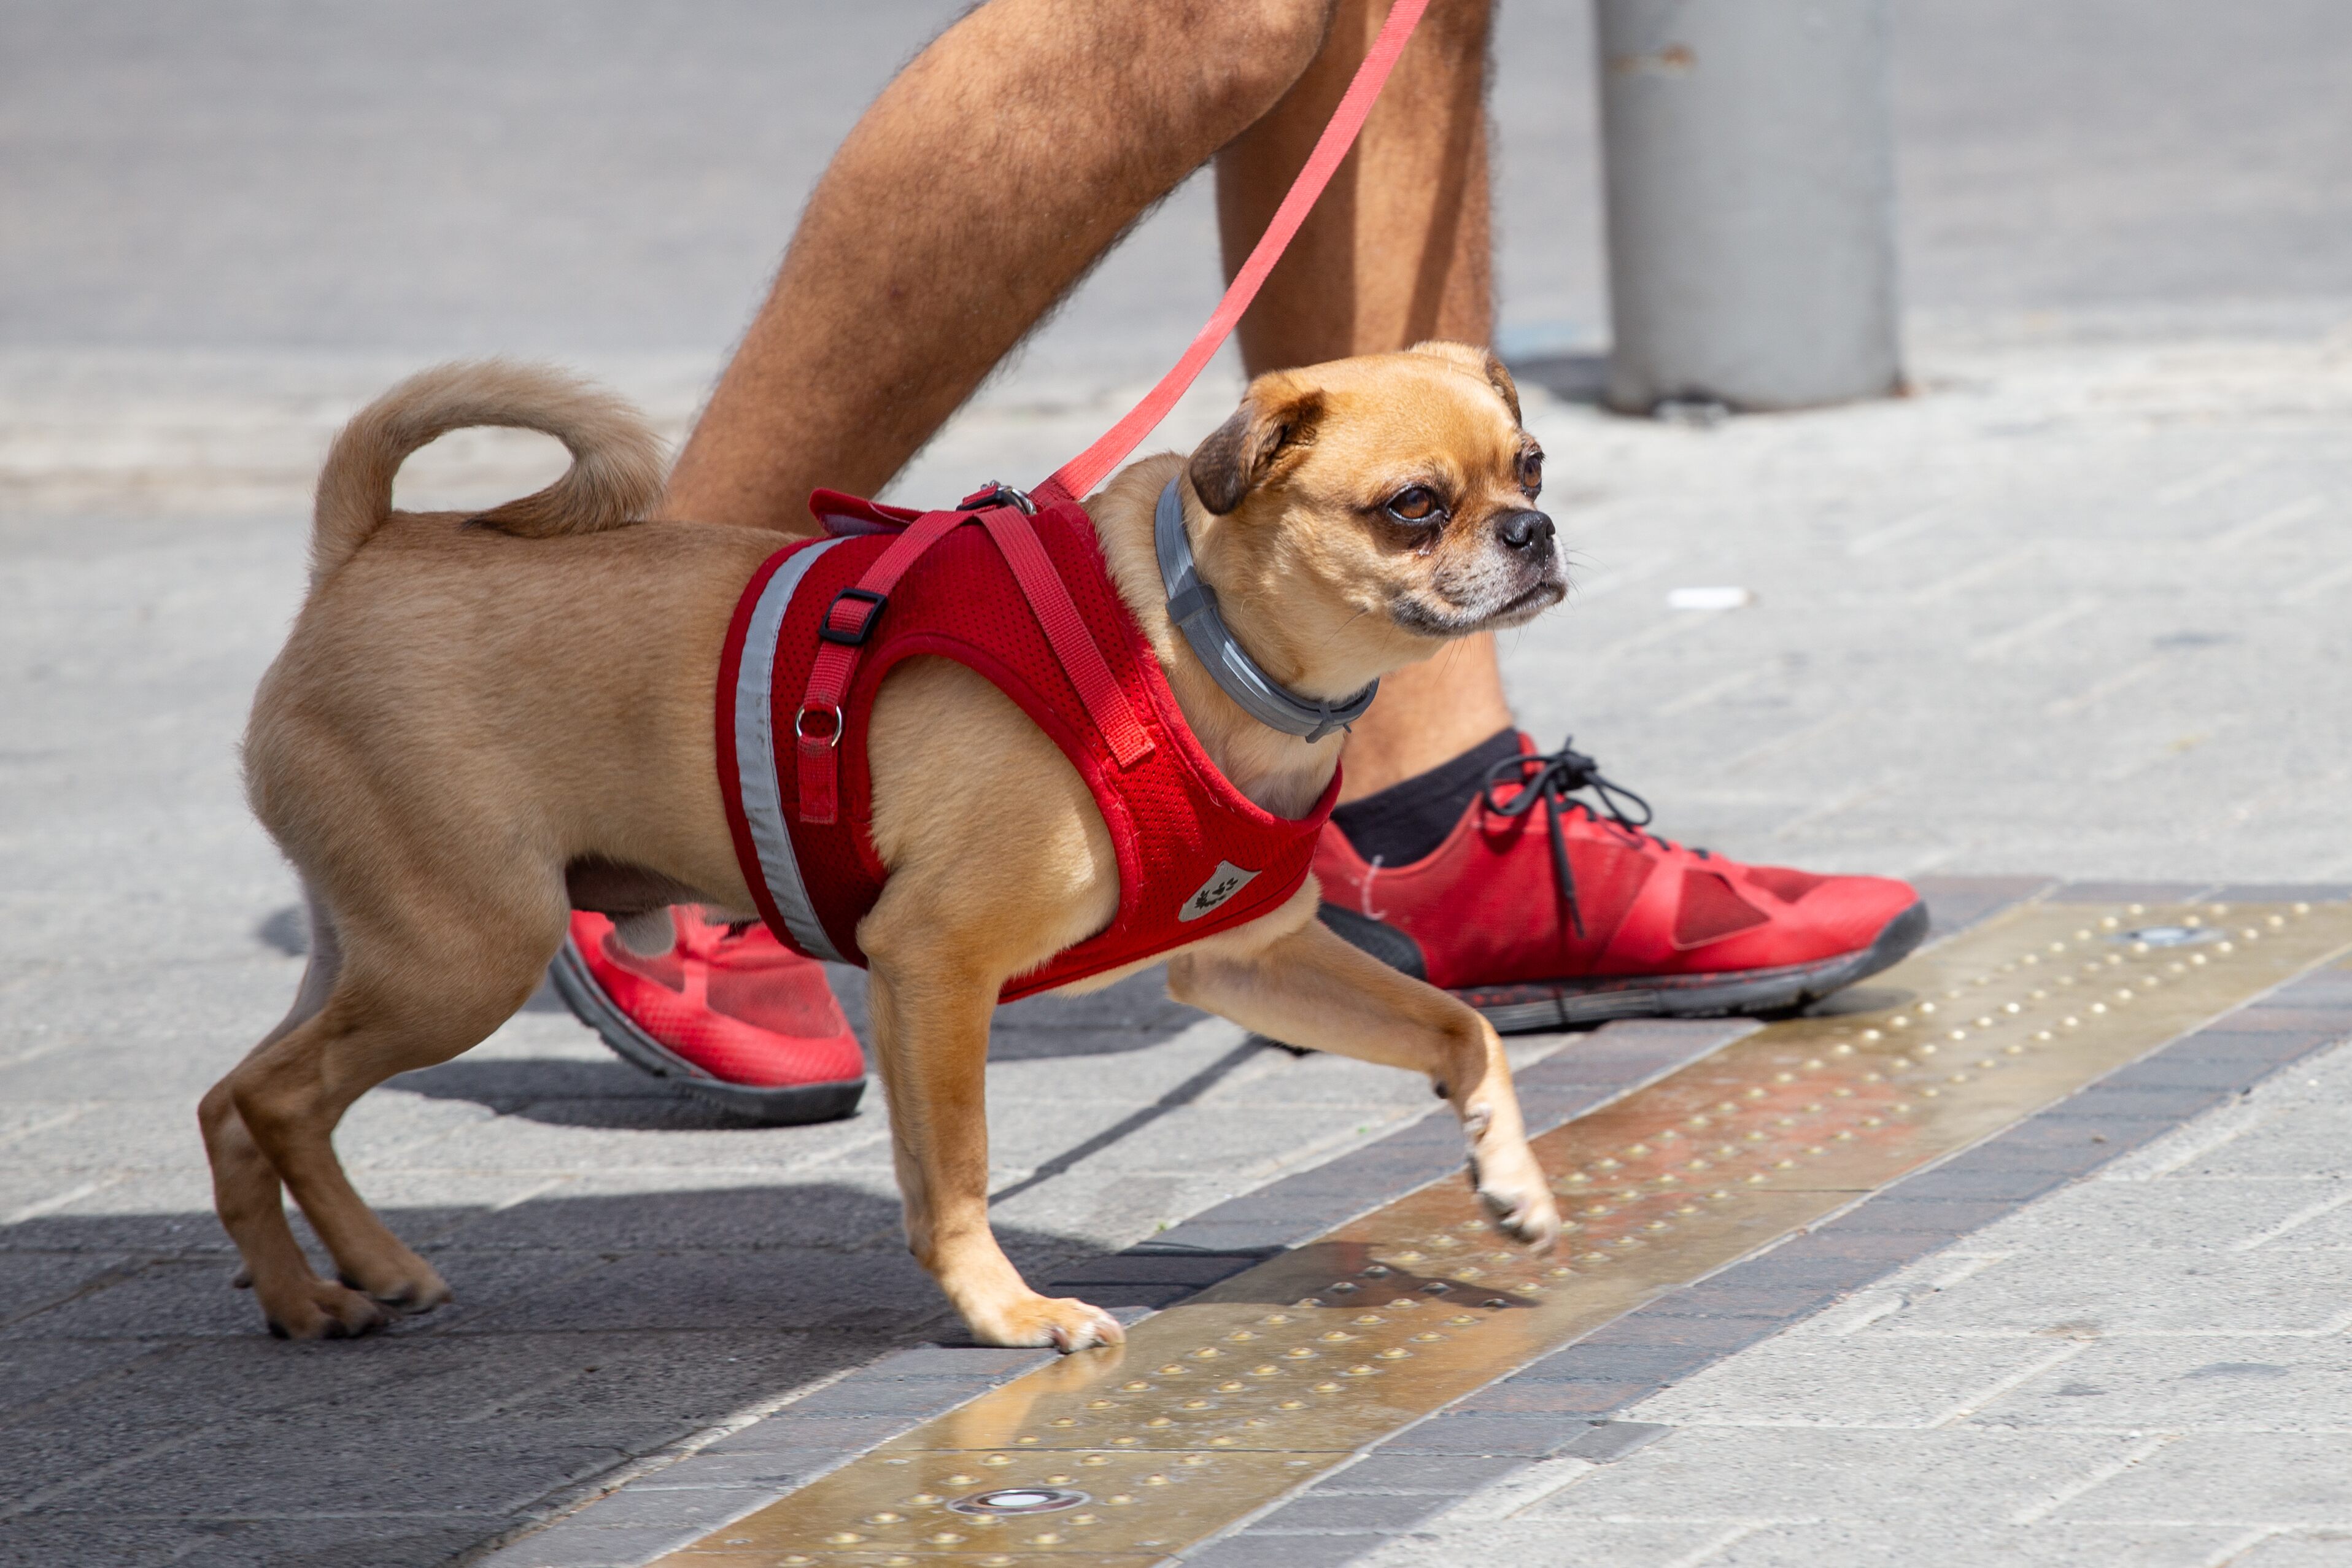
(1415, 504)
(1532, 471)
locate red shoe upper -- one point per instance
(744, 1008)
(1488, 906)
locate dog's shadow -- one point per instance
(1132, 1014)
(585, 1330)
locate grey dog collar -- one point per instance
(1192, 605)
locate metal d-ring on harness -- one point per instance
(1192, 605)
(849, 622)
(1554, 775)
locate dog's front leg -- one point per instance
(1311, 989)
(931, 1037)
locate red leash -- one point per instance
(1089, 468)
(817, 722)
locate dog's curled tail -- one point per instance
(616, 461)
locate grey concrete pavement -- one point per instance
(2144, 1368)
(1913, 687)
(434, 176)
(2076, 607)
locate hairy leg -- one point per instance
(984, 182)
(1399, 249)
(1311, 989)
(1038, 131)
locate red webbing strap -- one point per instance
(836, 664)
(1074, 644)
(854, 611)
(1089, 468)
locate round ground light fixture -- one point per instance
(1015, 1501)
(2169, 936)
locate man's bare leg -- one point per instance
(1037, 130)
(1399, 249)
(984, 181)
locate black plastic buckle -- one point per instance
(853, 636)
(997, 494)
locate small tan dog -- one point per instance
(450, 778)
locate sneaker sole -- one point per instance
(786, 1106)
(1559, 1004)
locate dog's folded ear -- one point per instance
(1276, 423)
(1478, 363)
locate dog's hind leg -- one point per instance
(411, 988)
(246, 1192)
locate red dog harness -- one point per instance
(1025, 600)
(1027, 603)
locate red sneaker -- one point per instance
(1540, 912)
(740, 1021)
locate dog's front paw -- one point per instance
(1526, 1214)
(1065, 1323)
(319, 1309)
(1512, 1186)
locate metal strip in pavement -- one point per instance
(1570, 1404)
(1218, 1406)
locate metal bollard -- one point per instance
(1750, 174)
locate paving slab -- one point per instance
(1852, 1383)
(2239, 1383)
(2209, 1370)
(1842, 1545)
(2260, 1480)
(2299, 1549)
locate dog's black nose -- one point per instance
(1524, 530)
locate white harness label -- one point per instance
(1227, 880)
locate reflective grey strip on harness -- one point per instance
(1192, 605)
(755, 756)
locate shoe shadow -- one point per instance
(560, 1091)
(1861, 999)
(1132, 1014)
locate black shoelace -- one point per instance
(1554, 776)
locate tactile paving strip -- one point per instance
(1219, 1406)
